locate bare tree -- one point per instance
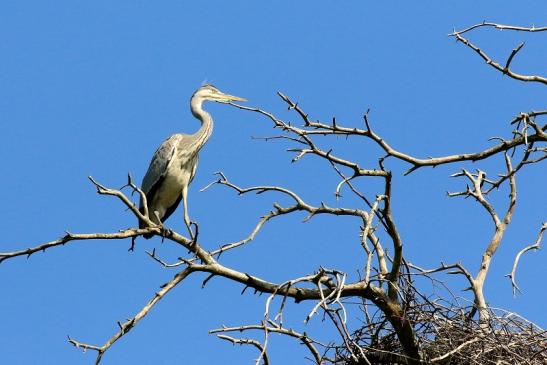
(401, 323)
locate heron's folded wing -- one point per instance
(160, 162)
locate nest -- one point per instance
(448, 335)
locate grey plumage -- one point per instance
(174, 163)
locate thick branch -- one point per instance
(494, 244)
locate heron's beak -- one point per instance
(226, 98)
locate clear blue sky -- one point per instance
(92, 88)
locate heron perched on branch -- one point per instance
(174, 163)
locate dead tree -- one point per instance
(401, 324)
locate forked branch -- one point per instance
(506, 68)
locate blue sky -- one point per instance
(92, 88)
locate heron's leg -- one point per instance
(157, 215)
(187, 221)
(164, 231)
(185, 206)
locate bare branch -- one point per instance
(142, 195)
(71, 237)
(460, 269)
(300, 204)
(531, 29)
(274, 328)
(329, 129)
(102, 190)
(535, 246)
(505, 70)
(130, 323)
(248, 341)
(494, 244)
(477, 180)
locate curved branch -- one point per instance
(503, 69)
(535, 246)
(249, 341)
(531, 29)
(306, 340)
(300, 204)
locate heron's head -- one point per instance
(211, 93)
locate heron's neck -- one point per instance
(203, 134)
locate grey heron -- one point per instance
(174, 163)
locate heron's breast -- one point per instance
(178, 175)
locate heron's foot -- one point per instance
(193, 231)
(165, 232)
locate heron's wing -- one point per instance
(171, 209)
(160, 162)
